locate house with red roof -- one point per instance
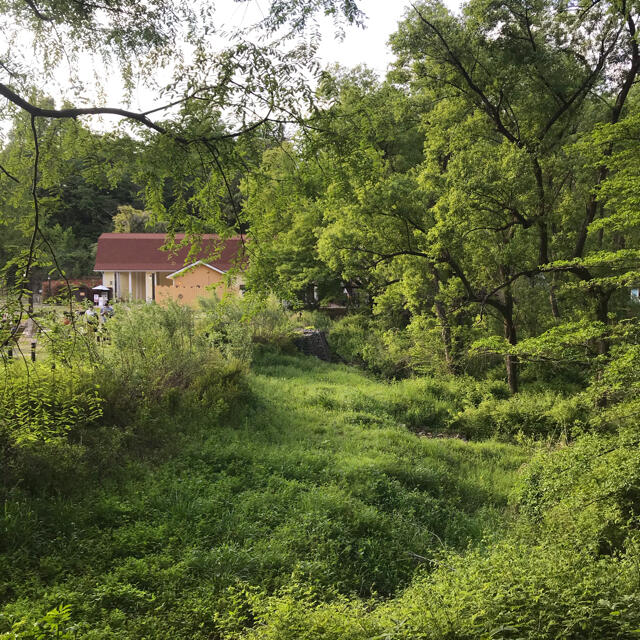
(137, 266)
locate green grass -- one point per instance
(311, 485)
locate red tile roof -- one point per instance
(142, 252)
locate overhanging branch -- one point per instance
(36, 11)
(140, 117)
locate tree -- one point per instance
(518, 83)
(78, 190)
(283, 214)
(258, 80)
(130, 220)
(508, 206)
(342, 170)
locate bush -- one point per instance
(398, 353)
(516, 590)
(153, 350)
(235, 325)
(568, 568)
(357, 339)
(312, 319)
(55, 421)
(588, 491)
(426, 351)
(219, 382)
(55, 625)
(529, 414)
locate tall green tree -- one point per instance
(508, 206)
(511, 86)
(79, 189)
(281, 206)
(347, 167)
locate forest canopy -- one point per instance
(218, 91)
(481, 193)
(472, 189)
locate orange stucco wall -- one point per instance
(198, 282)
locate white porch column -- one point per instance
(148, 286)
(130, 288)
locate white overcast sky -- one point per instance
(369, 46)
(359, 46)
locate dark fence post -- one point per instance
(33, 351)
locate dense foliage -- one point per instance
(470, 469)
(481, 194)
(180, 511)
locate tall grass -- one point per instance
(77, 408)
(308, 489)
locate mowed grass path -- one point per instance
(311, 485)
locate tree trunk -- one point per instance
(511, 361)
(447, 342)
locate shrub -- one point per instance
(587, 491)
(270, 323)
(357, 339)
(38, 403)
(529, 414)
(516, 589)
(312, 319)
(55, 422)
(55, 625)
(153, 349)
(397, 353)
(219, 382)
(234, 325)
(615, 393)
(348, 338)
(568, 568)
(223, 325)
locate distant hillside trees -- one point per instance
(130, 220)
(79, 190)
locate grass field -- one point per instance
(309, 485)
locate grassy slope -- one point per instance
(313, 485)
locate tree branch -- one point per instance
(490, 108)
(6, 173)
(584, 88)
(38, 14)
(74, 112)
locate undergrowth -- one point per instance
(193, 497)
(286, 494)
